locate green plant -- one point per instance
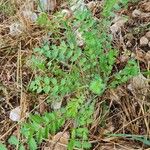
(15, 142)
(124, 75)
(40, 127)
(2, 147)
(6, 8)
(67, 68)
(72, 67)
(79, 139)
(141, 138)
(80, 112)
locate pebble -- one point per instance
(78, 5)
(31, 16)
(16, 28)
(117, 25)
(136, 13)
(48, 5)
(129, 44)
(149, 44)
(15, 114)
(139, 82)
(143, 41)
(114, 28)
(91, 5)
(56, 105)
(79, 38)
(148, 35)
(116, 18)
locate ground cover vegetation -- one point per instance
(78, 72)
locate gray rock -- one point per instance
(47, 5)
(143, 41)
(148, 35)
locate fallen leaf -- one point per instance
(59, 141)
(139, 85)
(61, 137)
(147, 56)
(146, 6)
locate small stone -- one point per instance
(139, 85)
(80, 40)
(139, 82)
(118, 24)
(114, 28)
(148, 35)
(56, 105)
(129, 87)
(91, 5)
(121, 22)
(148, 44)
(78, 5)
(129, 44)
(15, 114)
(136, 13)
(133, 55)
(116, 18)
(48, 5)
(16, 29)
(143, 41)
(31, 16)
